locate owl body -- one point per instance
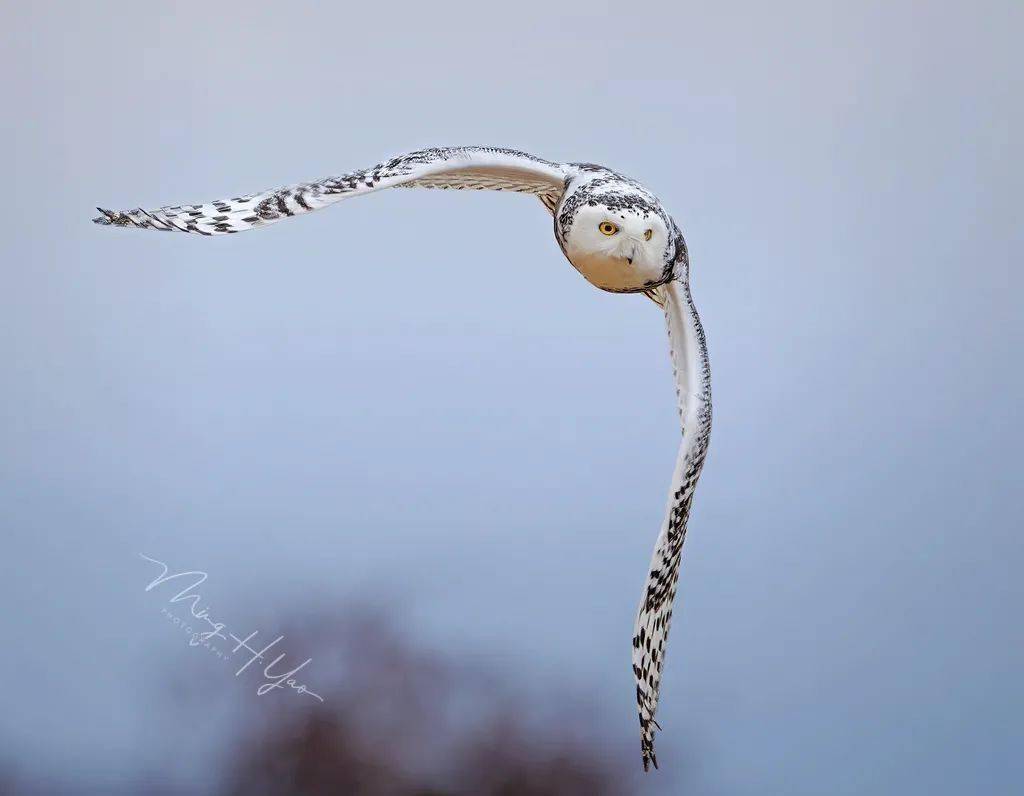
(616, 233)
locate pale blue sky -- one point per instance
(414, 398)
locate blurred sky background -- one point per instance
(412, 400)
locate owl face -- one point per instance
(616, 235)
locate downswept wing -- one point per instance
(476, 168)
(692, 372)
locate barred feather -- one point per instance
(461, 168)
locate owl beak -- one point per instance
(632, 254)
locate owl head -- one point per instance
(617, 235)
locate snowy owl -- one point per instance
(616, 234)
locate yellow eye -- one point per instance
(648, 234)
(607, 228)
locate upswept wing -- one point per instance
(459, 168)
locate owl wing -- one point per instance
(478, 168)
(692, 372)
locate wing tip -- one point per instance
(647, 743)
(111, 218)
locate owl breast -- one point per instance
(614, 272)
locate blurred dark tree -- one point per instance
(397, 721)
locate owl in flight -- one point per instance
(616, 234)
